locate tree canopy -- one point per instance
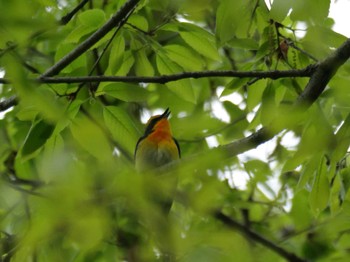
(79, 78)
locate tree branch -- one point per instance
(8, 103)
(257, 238)
(305, 72)
(323, 74)
(319, 79)
(275, 74)
(69, 16)
(114, 21)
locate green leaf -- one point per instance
(233, 110)
(37, 137)
(92, 18)
(202, 42)
(280, 9)
(116, 56)
(89, 20)
(264, 50)
(91, 137)
(27, 113)
(234, 84)
(300, 212)
(255, 93)
(326, 37)
(319, 196)
(80, 31)
(125, 92)
(238, 117)
(128, 62)
(317, 137)
(139, 21)
(258, 169)
(268, 105)
(62, 50)
(311, 10)
(184, 57)
(309, 169)
(122, 128)
(184, 127)
(143, 67)
(342, 140)
(182, 88)
(232, 19)
(244, 43)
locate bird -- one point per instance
(157, 147)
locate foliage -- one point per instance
(68, 188)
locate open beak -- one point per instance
(166, 113)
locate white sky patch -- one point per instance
(339, 11)
(338, 127)
(220, 112)
(212, 141)
(2, 114)
(235, 98)
(182, 114)
(116, 152)
(251, 115)
(301, 29)
(236, 178)
(289, 140)
(145, 116)
(261, 152)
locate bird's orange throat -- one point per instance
(161, 131)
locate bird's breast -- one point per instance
(152, 153)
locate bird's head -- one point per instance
(158, 123)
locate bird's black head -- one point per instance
(154, 120)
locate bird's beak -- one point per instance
(166, 113)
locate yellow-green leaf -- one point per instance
(183, 88)
(184, 57)
(319, 196)
(122, 127)
(202, 42)
(91, 137)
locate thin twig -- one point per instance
(69, 16)
(275, 74)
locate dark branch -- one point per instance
(305, 72)
(240, 146)
(4, 81)
(257, 238)
(113, 22)
(325, 71)
(69, 16)
(319, 79)
(8, 103)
